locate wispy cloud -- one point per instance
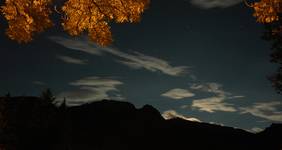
(170, 114)
(78, 44)
(178, 93)
(266, 110)
(92, 89)
(213, 103)
(71, 60)
(138, 61)
(133, 60)
(210, 87)
(207, 4)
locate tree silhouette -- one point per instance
(269, 13)
(28, 17)
(276, 55)
(48, 96)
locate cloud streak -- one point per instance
(92, 89)
(77, 44)
(133, 60)
(267, 110)
(71, 60)
(178, 93)
(208, 4)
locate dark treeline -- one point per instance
(36, 123)
(273, 34)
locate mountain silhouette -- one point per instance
(34, 123)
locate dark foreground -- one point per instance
(31, 123)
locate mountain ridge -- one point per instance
(109, 124)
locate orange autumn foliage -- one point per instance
(28, 17)
(266, 11)
(94, 15)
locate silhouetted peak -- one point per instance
(150, 109)
(275, 130)
(112, 104)
(276, 126)
(104, 110)
(150, 114)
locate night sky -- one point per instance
(196, 59)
